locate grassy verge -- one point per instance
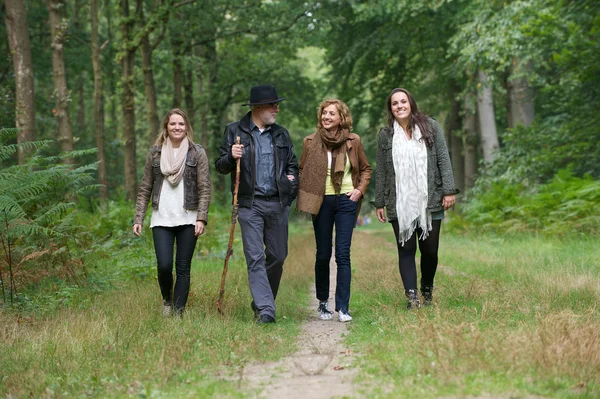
(115, 343)
(513, 317)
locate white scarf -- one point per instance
(410, 166)
(172, 163)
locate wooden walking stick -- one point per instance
(234, 214)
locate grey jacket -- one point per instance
(196, 183)
(440, 180)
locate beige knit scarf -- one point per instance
(172, 164)
(314, 172)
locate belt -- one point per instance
(273, 198)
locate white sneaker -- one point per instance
(324, 312)
(344, 317)
(167, 309)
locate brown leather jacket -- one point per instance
(360, 168)
(196, 180)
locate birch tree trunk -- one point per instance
(127, 101)
(521, 97)
(98, 104)
(18, 39)
(487, 121)
(58, 30)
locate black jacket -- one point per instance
(286, 162)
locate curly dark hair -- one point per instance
(416, 117)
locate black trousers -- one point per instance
(164, 241)
(429, 256)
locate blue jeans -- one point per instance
(164, 240)
(338, 210)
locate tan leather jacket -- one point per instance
(196, 180)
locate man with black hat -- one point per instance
(268, 185)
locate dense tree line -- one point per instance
(104, 71)
(516, 83)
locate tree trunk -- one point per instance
(203, 88)
(470, 143)
(487, 121)
(98, 104)
(58, 30)
(149, 85)
(18, 39)
(150, 90)
(188, 90)
(80, 125)
(453, 128)
(127, 101)
(522, 108)
(177, 73)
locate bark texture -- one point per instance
(98, 104)
(58, 30)
(470, 128)
(521, 96)
(127, 101)
(487, 119)
(18, 39)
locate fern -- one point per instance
(37, 208)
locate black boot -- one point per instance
(412, 299)
(427, 292)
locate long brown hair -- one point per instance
(164, 133)
(416, 117)
(344, 111)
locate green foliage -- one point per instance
(37, 204)
(563, 206)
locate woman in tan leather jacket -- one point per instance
(334, 176)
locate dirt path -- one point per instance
(319, 369)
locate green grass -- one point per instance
(117, 344)
(514, 316)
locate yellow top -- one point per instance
(347, 185)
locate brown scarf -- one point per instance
(314, 172)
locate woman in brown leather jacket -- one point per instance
(334, 175)
(176, 176)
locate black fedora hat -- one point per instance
(263, 94)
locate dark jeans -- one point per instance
(338, 210)
(429, 256)
(264, 235)
(164, 240)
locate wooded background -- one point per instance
(514, 83)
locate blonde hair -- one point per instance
(164, 133)
(344, 111)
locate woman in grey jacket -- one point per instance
(415, 185)
(176, 177)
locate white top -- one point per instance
(170, 211)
